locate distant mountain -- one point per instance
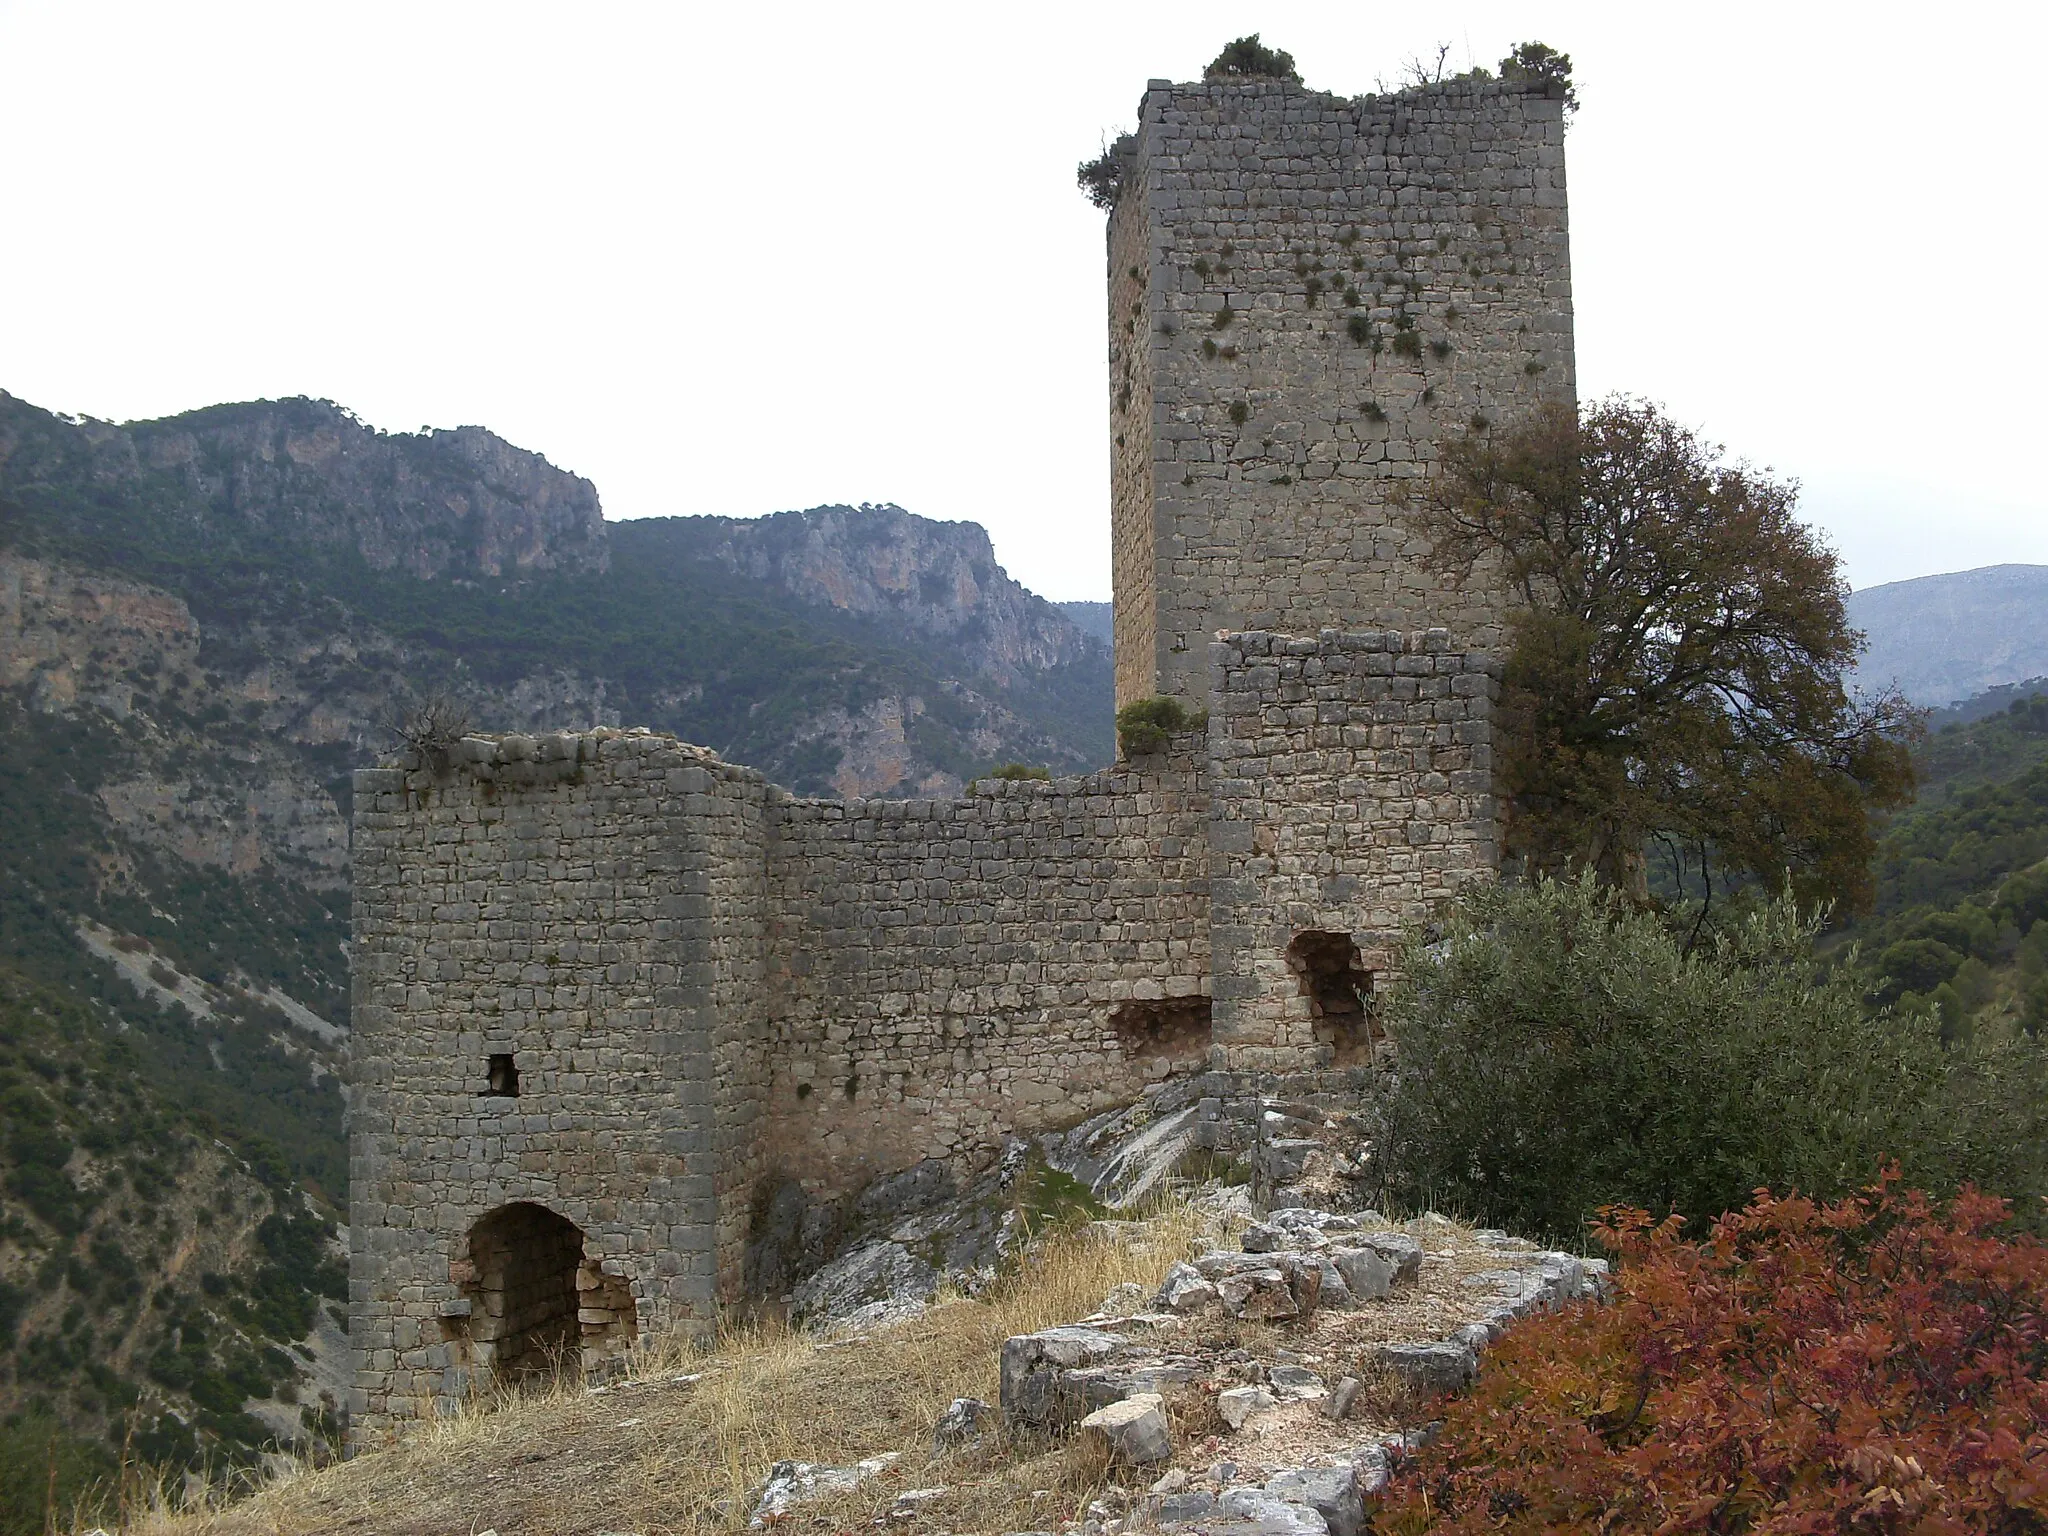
(1943, 639)
(1097, 619)
(205, 624)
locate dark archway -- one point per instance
(1339, 991)
(538, 1305)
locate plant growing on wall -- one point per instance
(1147, 725)
(1249, 59)
(1674, 679)
(1541, 62)
(1102, 178)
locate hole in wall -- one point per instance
(1164, 1029)
(539, 1306)
(1338, 987)
(501, 1076)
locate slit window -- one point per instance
(502, 1078)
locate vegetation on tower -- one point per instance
(1247, 58)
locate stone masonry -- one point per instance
(611, 991)
(1306, 293)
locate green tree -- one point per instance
(1560, 1050)
(1673, 682)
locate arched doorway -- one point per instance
(538, 1306)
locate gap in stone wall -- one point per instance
(1164, 1029)
(1339, 990)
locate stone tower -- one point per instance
(1306, 294)
(615, 997)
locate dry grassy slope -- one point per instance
(686, 1441)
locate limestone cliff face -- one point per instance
(442, 503)
(939, 580)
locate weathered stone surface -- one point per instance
(1295, 1381)
(1033, 1368)
(1430, 1368)
(1280, 260)
(1237, 1404)
(1368, 1273)
(1255, 1512)
(708, 983)
(1134, 1430)
(1332, 1492)
(1184, 1290)
(965, 1422)
(1399, 1250)
(1338, 1404)
(1258, 1295)
(791, 1483)
(878, 1273)
(1300, 1274)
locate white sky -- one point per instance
(736, 260)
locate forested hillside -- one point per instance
(205, 624)
(1961, 919)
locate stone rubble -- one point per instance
(1295, 1263)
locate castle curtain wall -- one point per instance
(944, 973)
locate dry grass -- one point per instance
(655, 1455)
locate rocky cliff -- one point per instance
(448, 503)
(936, 580)
(205, 624)
(1942, 639)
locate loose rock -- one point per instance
(962, 1424)
(1184, 1290)
(1431, 1369)
(1331, 1492)
(1260, 1295)
(795, 1482)
(1237, 1404)
(1135, 1429)
(1338, 1404)
(1368, 1274)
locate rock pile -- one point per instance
(1281, 1338)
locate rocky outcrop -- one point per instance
(460, 503)
(1284, 1388)
(938, 580)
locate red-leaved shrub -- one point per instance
(1877, 1365)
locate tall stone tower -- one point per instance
(1306, 294)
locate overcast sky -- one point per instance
(738, 260)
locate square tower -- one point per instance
(1307, 293)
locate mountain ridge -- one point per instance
(1946, 638)
(205, 624)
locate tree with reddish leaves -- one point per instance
(1674, 682)
(1876, 1365)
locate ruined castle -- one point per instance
(610, 988)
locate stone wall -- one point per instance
(1327, 287)
(946, 972)
(561, 906)
(1353, 796)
